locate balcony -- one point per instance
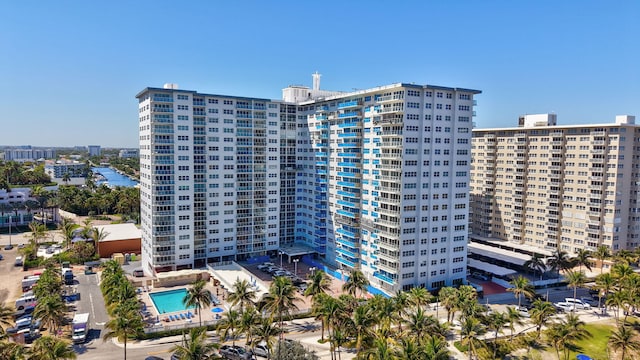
(389, 98)
(597, 151)
(597, 160)
(349, 104)
(386, 279)
(598, 142)
(598, 133)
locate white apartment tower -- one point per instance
(211, 172)
(544, 187)
(374, 179)
(383, 184)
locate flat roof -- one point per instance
(147, 89)
(509, 245)
(120, 231)
(509, 256)
(550, 127)
(490, 268)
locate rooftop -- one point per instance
(119, 231)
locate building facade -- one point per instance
(129, 153)
(544, 187)
(28, 153)
(374, 179)
(94, 150)
(58, 170)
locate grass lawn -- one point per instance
(596, 345)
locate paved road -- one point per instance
(91, 302)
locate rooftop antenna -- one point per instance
(316, 80)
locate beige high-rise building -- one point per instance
(540, 187)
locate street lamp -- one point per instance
(9, 230)
(281, 259)
(312, 270)
(295, 266)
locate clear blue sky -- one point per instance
(69, 70)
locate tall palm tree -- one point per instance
(619, 300)
(362, 323)
(435, 348)
(495, 322)
(541, 311)
(357, 281)
(602, 253)
(419, 296)
(319, 283)
(124, 326)
(50, 348)
(68, 228)
(624, 338)
(196, 347)
(198, 297)
(535, 264)
(470, 329)
(559, 261)
(248, 320)
(575, 279)
(448, 297)
(563, 334)
(583, 257)
(50, 309)
(402, 303)
(514, 318)
(604, 284)
(280, 299)
(621, 272)
(521, 286)
(409, 348)
(38, 232)
(266, 332)
(242, 293)
(6, 317)
(382, 348)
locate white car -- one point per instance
(261, 350)
(578, 304)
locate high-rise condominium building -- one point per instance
(375, 179)
(541, 187)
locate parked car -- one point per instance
(19, 261)
(235, 352)
(579, 304)
(279, 273)
(265, 265)
(1, 257)
(8, 247)
(138, 273)
(524, 312)
(153, 358)
(261, 350)
(564, 307)
(480, 276)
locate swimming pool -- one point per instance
(169, 301)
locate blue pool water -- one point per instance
(113, 178)
(169, 301)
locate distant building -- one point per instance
(12, 207)
(58, 170)
(94, 150)
(28, 153)
(129, 153)
(120, 238)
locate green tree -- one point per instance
(559, 261)
(361, 326)
(419, 296)
(248, 320)
(470, 329)
(495, 322)
(541, 312)
(435, 348)
(521, 286)
(198, 297)
(124, 326)
(68, 230)
(280, 299)
(536, 264)
(448, 297)
(6, 318)
(583, 257)
(292, 350)
(50, 348)
(602, 253)
(575, 279)
(357, 281)
(624, 339)
(228, 326)
(195, 347)
(604, 284)
(12, 351)
(266, 332)
(513, 318)
(50, 309)
(319, 283)
(241, 293)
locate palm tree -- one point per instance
(196, 347)
(583, 257)
(448, 297)
(514, 318)
(66, 178)
(521, 287)
(470, 329)
(68, 228)
(401, 302)
(319, 283)
(357, 281)
(241, 293)
(197, 296)
(419, 296)
(602, 253)
(266, 332)
(541, 311)
(604, 284)
(559, 261)
(564, 333)
(6, 317)
(496, 322)
(575, 280)
(536, 263)
(280, 299)
(409, 348)
(38, 231)
(50, 348)
(624, 339)
(621, 271)
(248, 320)
(619, 300)
(50, 309)
(382, 347)
(435, 348)
(12, 351)
(361, 325)
(124, 326)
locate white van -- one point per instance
(25, 301)
(577, 303)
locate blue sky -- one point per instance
(69, 70)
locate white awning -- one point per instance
(490, 268)
(493, 252)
